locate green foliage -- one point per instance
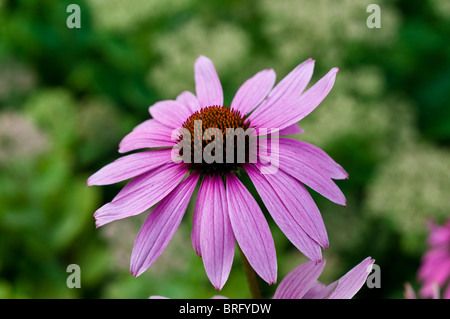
(68, 96)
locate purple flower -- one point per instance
(225, 210)
(301, 283)
(434, 272)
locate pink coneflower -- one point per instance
(225, 210)
(301, 283)
(434, 272)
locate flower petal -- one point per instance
(202, 199)
(351, 282)
(251, 230)
(160, 226)
(291, 130)
(305, 171)
(130, 166)
(314, 156)
(207, 83)
(293, 210)
(318, 291)
(253, 91)
(298, 108)
(141, 193)
(284, 92)
(216, 236)
(149, 134)
(439, 274)
(170, 113)
(409, 292)
(297, 283)
(439, 235)
(190, 101)
(430, 260)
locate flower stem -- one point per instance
(252, 277)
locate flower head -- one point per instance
(301, 283)
(434, 272)
(225, 210)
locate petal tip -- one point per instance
(121, 149)
(218, 286)
(133, 273)
(136, 270)
(98, 223)
(202, 58)
(99, 219)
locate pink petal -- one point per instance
(170, 113)
(160, 226)
(439, 235)
(141, 193)
(253, 91)
(129, 166)
(351, 282)
(293, 210)
(409, 291)
(149, 134)
(251, 230)
(307, 173)
(190, 101)
(318, 291)
(197, 218)
(300, 204)
(207, 83)
(146, 123)
(430, 290)
(299, 107)
(297, 283)
(216, 236)
(439, 275)
(430, 260)
(291, 130)
(284, 92)
(312, 155)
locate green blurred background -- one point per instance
(68, 96)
